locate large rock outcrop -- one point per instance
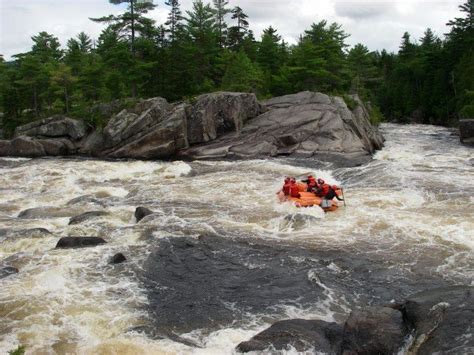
(439, 321)
(217, 125)
(304, 124)
(53, 136)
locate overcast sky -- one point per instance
(378, 24)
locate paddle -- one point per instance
(344, 199)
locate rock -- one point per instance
(117, 259)
(87, 216)
(301, 334)
(7, 271)
(79, 242)
(154, 129)
(25, 233)
(93, 144)
(53, 127)
(142, 212)
(374, 330)
(26, 147)
(5, 148)
(302, 125)
(466, 131)
(221, 112)
(442, 319)
(85, 200)
(46, 212)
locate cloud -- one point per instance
(376, 23)
(361, 10)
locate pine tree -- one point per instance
(237, 33)
(130, 22)
(220, 13)
(175, 19)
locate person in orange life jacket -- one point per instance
(311, 182)
(327, 191)
(286, 186)
(294, 191)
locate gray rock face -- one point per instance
(215, 114)
(87, 216)
(442, 319)
(301, 334)
(53, 127)
(218, 125)
(304, 124)
(374, 330)
(466, 131)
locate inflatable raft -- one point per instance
(309, 199)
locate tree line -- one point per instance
(211, 47)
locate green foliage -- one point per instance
(375, 115)
(212, 47)
(350, 102)
(18, 351)
(241, 74)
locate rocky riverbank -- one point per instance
(221, 125)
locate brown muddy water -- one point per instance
(409, 221)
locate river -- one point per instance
(408, 225)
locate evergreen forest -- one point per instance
(212, 47)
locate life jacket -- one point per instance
(323, 190)
(286, 188)
(312, 182)
(294, 190)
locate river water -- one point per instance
(409, 216)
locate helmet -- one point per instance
(320, 181)
(287, 180)
(293, 180)
(310, 176)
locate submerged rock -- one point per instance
(79, 242)
(87, 216)
(142, 212)
(7, 271)
(47, 212)
(299, 334)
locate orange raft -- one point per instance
(309, 199)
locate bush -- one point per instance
(375, 115)
(350, 102)
(18, 351)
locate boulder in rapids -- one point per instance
(79, 242)
(87, 216)
(299, 334)
(117, 259)
(47, 212)
(374, 330)
(142, 212)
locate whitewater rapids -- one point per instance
(412, 207)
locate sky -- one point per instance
(379, 24)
